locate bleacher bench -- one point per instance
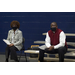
(56, 55)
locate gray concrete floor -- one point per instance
(2, 59)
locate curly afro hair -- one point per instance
(16, 23)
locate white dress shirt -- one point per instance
(13, 36)
(62, 39)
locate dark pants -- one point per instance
(61, 51)
(12, 51)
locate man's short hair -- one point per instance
(54, 22)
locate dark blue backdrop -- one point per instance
(33, 24)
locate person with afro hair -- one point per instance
(15, 38)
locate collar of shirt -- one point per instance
(15, 31)
(53, 31)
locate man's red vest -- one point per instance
(54, 37)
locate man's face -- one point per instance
(53, 26)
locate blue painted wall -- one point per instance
(33, 24)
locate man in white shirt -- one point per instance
(55, 42)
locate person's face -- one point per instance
(14, 27)
(53, 26)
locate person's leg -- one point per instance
(41, 55)
(61, 52)
(13, 50)
(54, 51)
(7, 52)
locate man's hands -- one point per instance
(51, 48)
(11, 45)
